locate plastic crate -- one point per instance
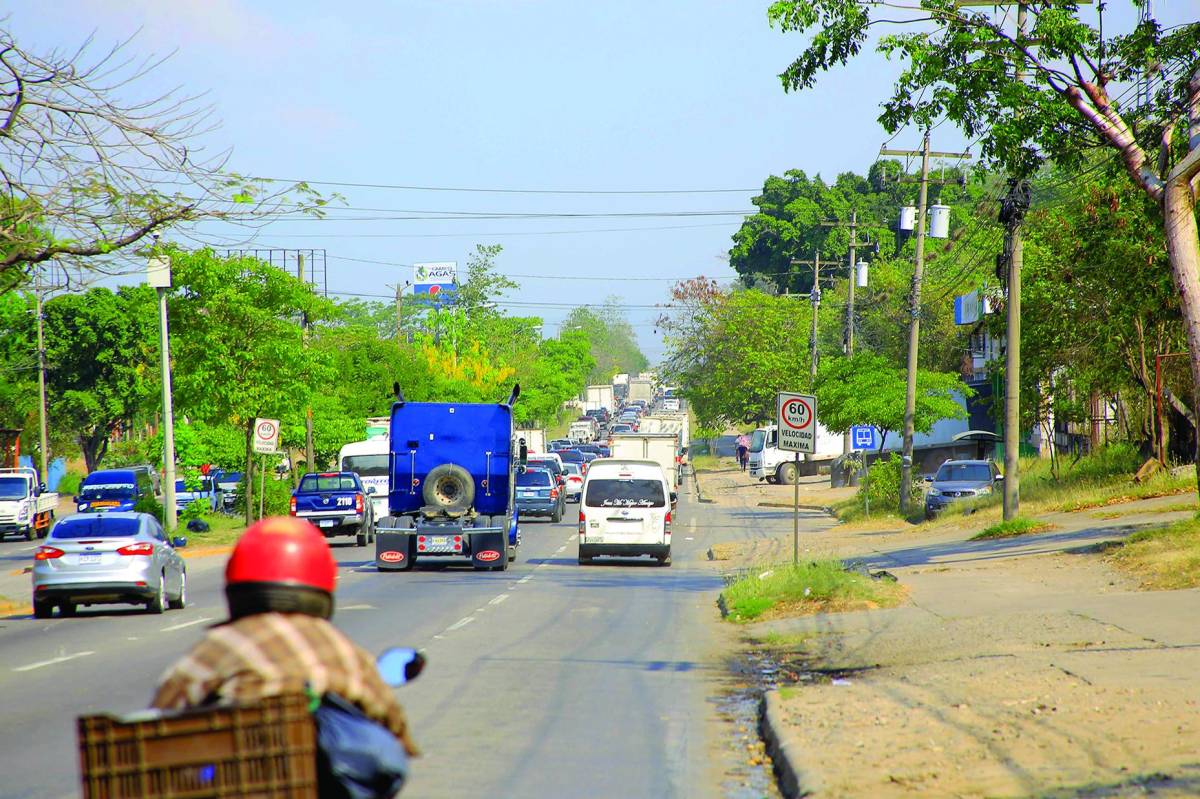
(266, 750)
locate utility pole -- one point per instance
(41, 351)
(158, 274)
(308, 417)
(816, 306)
(914, 329)
(849, 339)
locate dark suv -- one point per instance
(959, 480)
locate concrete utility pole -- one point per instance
(816, 306)
(308, 417)
(914, 329)
(41, 348)
(158, 275)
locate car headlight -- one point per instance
(933, 492)
(982, 491)
(23, 513)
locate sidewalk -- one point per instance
(1022, 667)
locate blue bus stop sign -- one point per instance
(864, 436)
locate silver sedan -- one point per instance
(102, 558)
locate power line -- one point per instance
(496, 234)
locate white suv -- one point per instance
(625, 510)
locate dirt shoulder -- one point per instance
(1021, 667)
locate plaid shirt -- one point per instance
(267, 654)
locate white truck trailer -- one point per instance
(641, 388)
(583, 431)
(658, 447)
(535, 439)
(26, 508)
(597, 397)
(676, 423)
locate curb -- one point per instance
(10, 609)
(699, 489)
(784, 757)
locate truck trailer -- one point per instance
(662, 448)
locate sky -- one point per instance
(525, 96)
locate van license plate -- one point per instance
(326, 523)
(86, 559)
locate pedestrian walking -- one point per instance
(743, 451)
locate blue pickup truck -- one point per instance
(337, 504)
(451, 480)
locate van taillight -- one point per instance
(582, 522)
(292, 507)
(667, 523)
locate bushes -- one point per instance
(882, 485)
(278, 497)
(68, 486)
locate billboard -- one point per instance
(437, 279)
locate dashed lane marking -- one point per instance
(358, 607)
(52, 661)
(458, 625)
(499, 599)
(525, 579)
(183, 624)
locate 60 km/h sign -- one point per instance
(266, 436)
(796, 416)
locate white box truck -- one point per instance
(598, 397)
(535, 440)
(641, 388)
(583, 431)
(26, 507)
(658, 447)
(669, 423)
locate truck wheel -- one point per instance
(410, 549)
(31, 531)
(786, 474)
(664, 560)
(360, 538)
(449, 486)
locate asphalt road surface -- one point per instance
(550, 679)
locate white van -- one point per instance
(625, 510)
(369, 460)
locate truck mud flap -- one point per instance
(489, 550)
(393, 552)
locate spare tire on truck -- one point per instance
(449, 487)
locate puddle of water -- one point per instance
(750, 776)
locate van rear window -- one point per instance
(628, 493)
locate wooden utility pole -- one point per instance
(816, 306)
(308, 417)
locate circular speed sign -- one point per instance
(266, 430)
(796, 413)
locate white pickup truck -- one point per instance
(26, 508)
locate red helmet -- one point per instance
(285, 551)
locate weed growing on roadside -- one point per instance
(1013, 527)
(808, 588)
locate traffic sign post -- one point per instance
(796, 420)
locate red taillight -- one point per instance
(140, 548)
(47, 553)
(582, 522)
(292, 507)
(667, 524)
(358, 503)
(553, 493)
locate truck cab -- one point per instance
(452, 477)
(26, 508)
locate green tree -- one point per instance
(869, 389)
(101, 352)
(612, 341)
(557, 374)
(238, 346)
(18, 361)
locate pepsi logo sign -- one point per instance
(488, 554)
(391, 556)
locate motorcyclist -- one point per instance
(279, 585)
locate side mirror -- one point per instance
(998, 478)
(370, 489)
(523, 451)
(400, 665)
(179, 541)
(674, 497)
(41, 488)
(928, 478)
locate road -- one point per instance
(550, 679)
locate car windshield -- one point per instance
(327, 482)
(534, 478)
(571, 468)
(13, 487)
(229, 477)
(757, 439)
(622, 428)
(107, 491)
(546, 464)
(95, 525)
(625, 493)
(366, 465)
(964, 472)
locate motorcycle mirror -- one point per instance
(400, 665)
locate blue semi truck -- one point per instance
(451, 469)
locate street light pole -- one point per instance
(41, 348)
(158, 272)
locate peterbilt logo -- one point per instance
(391, 556)
(488, 554)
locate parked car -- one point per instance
(574, 485)
(229, 486)
(539, 494)
(959, 480)
(113, 490)
(111, 557)
(626, 511)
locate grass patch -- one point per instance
(711, 463)
(821, 586)
(1022, 525)
(787, 692)
(223, 530)
(777, 640)
(1166, 558)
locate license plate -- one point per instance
(326, 522)
(526, 494)
(105, 504)
(86, 559)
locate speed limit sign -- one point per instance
(266, 436)
(797, 420)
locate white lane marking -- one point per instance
(52, 661)
(499, 599)
(560, 549)
(438, 637)
(479, 610)
(358, 607)
(458, 625)
(525, 579)
(183, 624)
